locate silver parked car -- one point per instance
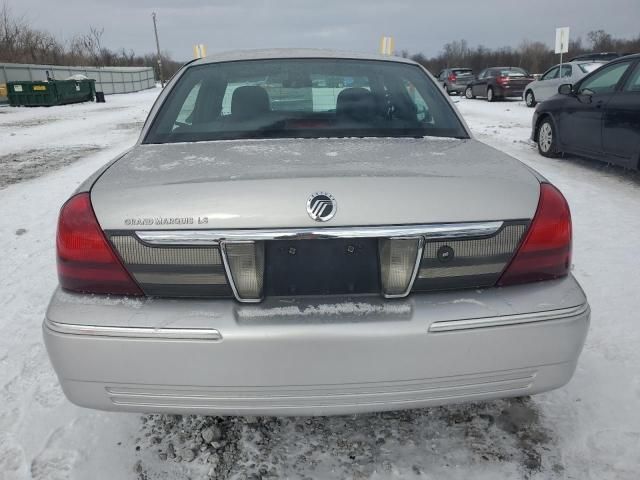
(547, 85)
(355, 251)
(455, 80)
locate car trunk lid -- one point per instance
(231, 218)
(266, 184)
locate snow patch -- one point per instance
(346, 308)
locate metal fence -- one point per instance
(108, 79)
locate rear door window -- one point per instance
(566, 71)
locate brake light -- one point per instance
(502, 79)
(545, 253)
(86, 262)
(452, 77)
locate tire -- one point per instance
(468, 93)
(530, 99)
(490, 95)
(547, 143)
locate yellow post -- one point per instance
(386, 46)
(199, 51)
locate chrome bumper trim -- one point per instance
(214, 237)
(501, 321)
(134, 332)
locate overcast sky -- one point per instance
(416, 25)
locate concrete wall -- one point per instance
(108, 79)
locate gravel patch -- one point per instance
(21, 166)
(411, 443)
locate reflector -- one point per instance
(244, 262)
(398, 264)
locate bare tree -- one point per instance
(600, 41)
(535, 57)
(20, 43)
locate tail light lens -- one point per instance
(545, 253)
(86, 262)
(502, 80)
(452, 77)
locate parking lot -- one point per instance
(588, 429)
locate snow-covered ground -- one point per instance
(589, 429)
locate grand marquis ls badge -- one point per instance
(321, 206)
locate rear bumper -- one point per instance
(457, 87)
(510, 91)
(220, 357)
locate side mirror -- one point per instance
(565, 89)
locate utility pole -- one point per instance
(155, 29)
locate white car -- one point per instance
(547, 85)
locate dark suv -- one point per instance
(499, 82)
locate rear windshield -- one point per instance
(513, 72)
(462, 71)
(307, 98)
(590, 67)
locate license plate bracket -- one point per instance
(322, 267)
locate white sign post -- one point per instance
(562, 44)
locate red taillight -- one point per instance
(452, 77)
(545, 253)
(502, 80)
(86, 262)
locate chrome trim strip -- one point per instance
(472, 323)
(213, 237)
(230, 279)
(135, 332)
(416, 268)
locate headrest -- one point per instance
(356, 103)
(248, 101)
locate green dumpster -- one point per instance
(53, 92)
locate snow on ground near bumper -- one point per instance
(588, 429)
(595, 417)
(41, 434)
(35, 141)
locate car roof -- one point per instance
(576, 62)
(633, 56)
(291, 53)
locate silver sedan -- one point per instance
(311, 232)
(547, 85)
